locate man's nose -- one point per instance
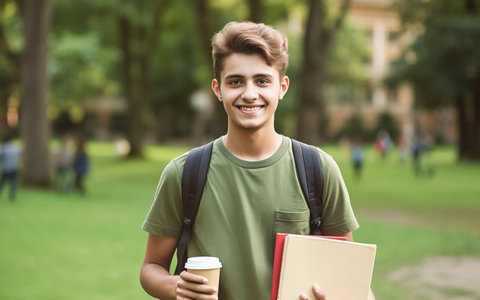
(250, 92)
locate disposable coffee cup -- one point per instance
(206, 266)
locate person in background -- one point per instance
(9, 155)
(357, 157)
(420, 146)
(383, 143)
(63, 166)
(80, 166)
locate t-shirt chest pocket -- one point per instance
(294, 222)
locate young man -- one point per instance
(252, 190)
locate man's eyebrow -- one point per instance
(234, 76)
(261, 75)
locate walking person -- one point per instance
(9, 155)
(63, 166)
(357, 157)
(81, 166)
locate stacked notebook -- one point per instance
(342, 269)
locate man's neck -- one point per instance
(252, 146)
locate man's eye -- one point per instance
(235, 82)
(263, 81)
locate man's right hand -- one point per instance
(191, 286)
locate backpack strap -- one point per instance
(193, 181)
(309, 171)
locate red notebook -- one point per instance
(277, 260)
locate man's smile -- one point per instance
(250, 109)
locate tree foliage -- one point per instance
(11, 43)
(443, 63)
(81, 58)
(154, 55)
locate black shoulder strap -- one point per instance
(193, 181)
(309, 171)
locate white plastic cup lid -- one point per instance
(203, 263)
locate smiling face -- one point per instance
(250, 90)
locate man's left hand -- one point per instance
(319, 295)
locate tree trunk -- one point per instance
(469, 123)
(317, 44)
(471, 7)
(206, 32)
(137, 43)
(134, 103)
(473, 152)
(475, 139)
(256, 10)
(34, 122)
(311, 107)
(4, 95)
(205, 27)
(463, 128)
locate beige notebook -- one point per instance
(343, 270)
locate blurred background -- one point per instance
(97, 96)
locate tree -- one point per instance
(139, 30)
(256, 11)
(319, 35)
(82, 57)
(443, 65)
(34, 121)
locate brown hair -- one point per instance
(250, 38)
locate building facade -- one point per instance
(382, 25)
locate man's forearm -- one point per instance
(158, 282)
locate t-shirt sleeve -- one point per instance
(166, 213)
(338, 216)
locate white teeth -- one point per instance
(250, 108)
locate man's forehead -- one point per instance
(240, 65)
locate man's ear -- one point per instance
(284, 83)
(216, 89)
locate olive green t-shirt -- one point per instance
(244, 204)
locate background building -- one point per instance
(382, 26)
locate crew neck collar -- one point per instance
(254, 164)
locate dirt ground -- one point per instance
(442, 278)
(438, 277)
(465, 221)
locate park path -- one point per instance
(436, 277)
(441, 278)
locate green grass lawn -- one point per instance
(56, 246)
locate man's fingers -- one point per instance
(186, 294)
(196, 288)
(186, 276)
(191, 286)
(318, 293)
(303, 297)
